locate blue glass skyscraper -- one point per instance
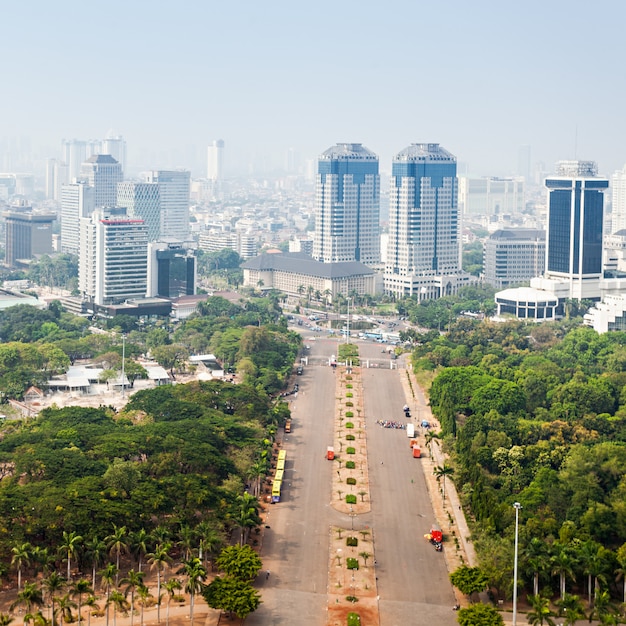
(575, 227)
(423, 254)
(347, 203)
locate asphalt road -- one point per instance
(413, 582)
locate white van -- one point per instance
(410, 430)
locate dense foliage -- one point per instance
(174, 456)
(538, 416)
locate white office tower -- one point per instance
(347, 205)
(56, 176)
(115, 145)
(103, 173)
(113, 260)
(77, 201)
(142, 200)
(174, 188)
(424, 249)
(491, 196)
(618, 201)
(215, 161)
(73, 154)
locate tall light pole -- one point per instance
(123, 359)
(517, 507)
(348, 324)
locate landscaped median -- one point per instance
(352, 593)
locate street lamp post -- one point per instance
(348, 322)
(123, 359)
(517, 507)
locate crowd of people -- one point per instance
(391, 424)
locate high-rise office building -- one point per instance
(215, 161)
(171, 270)
(174, 188)
(77, 201)
(618, 201)
(142, 200)
(115, 145)
(424, 248)
(73, 154)
(113, 259)
(513, 256)
(347, 211)
(27, 235)
(574, 246)
(491, 196)
(103, 173)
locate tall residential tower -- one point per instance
(347, 212)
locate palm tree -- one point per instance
(144, 595)
(116, 544)
(65, 606)
(36, 618)
(69, 546)
(247, 515)
(107, 577)
(211, 540)
(79, 589)
(5, 619)
(442, 471)
(603, 609)
(53, 584)
(159, 560)
(570, 609)
(196, 574)
(534, 560)
(96, 549)
(430, 436)
(171, 586)
(132, 580)
(139, 545)
(563, 565)
(186, 539)
(540, 612)
(42, 559)
(21, 556)
(255, 474)
(593, 558)
(29, 596)
(161, 534)
(119, 602)
(93, 605)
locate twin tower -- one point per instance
(423, 251)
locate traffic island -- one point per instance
(351, 569)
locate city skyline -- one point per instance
(270, 78)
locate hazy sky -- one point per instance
(481, 78)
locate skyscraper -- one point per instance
(423, 253)
(347, 211)
(142, 200)
(174, 187)
(113, 259)
(27, 234)
(575, 224)
(103, 173)
(73, 154)
(618, 201)
(77, 200)
(215, 161)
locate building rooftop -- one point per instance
(526, 294)
(349, 151)
(424, 152)
(519, 233)
(300, 263)
(101, 158)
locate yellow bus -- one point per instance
(276, 487)
(282, 455)
(280, 465)
(279, 475)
